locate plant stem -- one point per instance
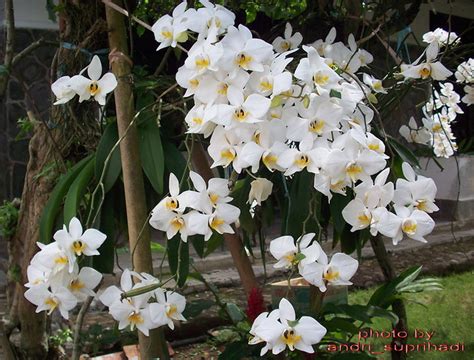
(398, 306)
(154, 345)
(78, 327)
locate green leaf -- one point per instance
(405, 153)
(337, 204)
(155, 247)
(198, 244)
(77, 190)
(194, 308)
(104, 262)
(213, 243)
(151, 153)
(114, 166)
(338, 324)
(385, 294)
(174, 160)
(235, 313)
(178, 259)
(53, 205)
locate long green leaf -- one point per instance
(151, 153)
(53, 205)
(405, 153)
(178, 259)
(104, 262)
(114, 166)
(77, 190)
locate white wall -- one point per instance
(31, 14)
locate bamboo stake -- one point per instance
(154, 345)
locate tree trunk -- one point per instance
(36, 191)
(135, 201)
(398, 306)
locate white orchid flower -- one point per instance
(378, 193)
(203, 57)
(315, 72)
(415, 192)
(338, 271)
(373, 83)
(357, 215)
(415, 224)
(52, 259)
(36, 275)
(171, 30)
(468, 98)
(441, 37)
(95, 86)
(412, 133)
(242, 51)
(305, 157)
(289, 332)
(259, 328)
(168, 308)
(62, 89)
(322, 46)
(221, 219)
(224, 148)
(199, 121)
(49, 300)
(81, 283)
(75, 242)
(212, 18)
(429, 69)
(289, 41)
(288, 253)
(320, 118)
(260, 190)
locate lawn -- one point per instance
(449, 313)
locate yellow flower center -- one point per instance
(216, 222)
(243, 60)
(316, 126)
(285, 45)
(270, 160)
(364, 219)
(202, 63)
(76, 285)
(240, 115)
(320, 79)
(265, 85)
(213, 197)
(93, 88)
(425, 72)
(194, 83)
(78, 247)
(177, 223)
(135, 319)
(197, 120)
(171, 203)
(353, 171)
(337, 186)
(52, 303)
(256, 138)
(409, 227)
(377, 85)
(171, 309)
(290, 338)
(228, 155)
(374, 146)
(436, 127)
(61, 260)
(331, 275)
(421, 205)
(223, 89)
(167, 34)
(302, 161)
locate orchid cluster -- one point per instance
(442, 106)
(54, 278)
(197, 212)
(145, 309)
(95, 86)
(412, 199)
(280, 329)
(312, 262)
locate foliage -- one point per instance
(8, 218)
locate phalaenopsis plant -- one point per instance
(293, 125)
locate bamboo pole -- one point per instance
(233, 242)
(154, 345)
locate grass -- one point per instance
(449, 313)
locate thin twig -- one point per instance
(78, 327)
